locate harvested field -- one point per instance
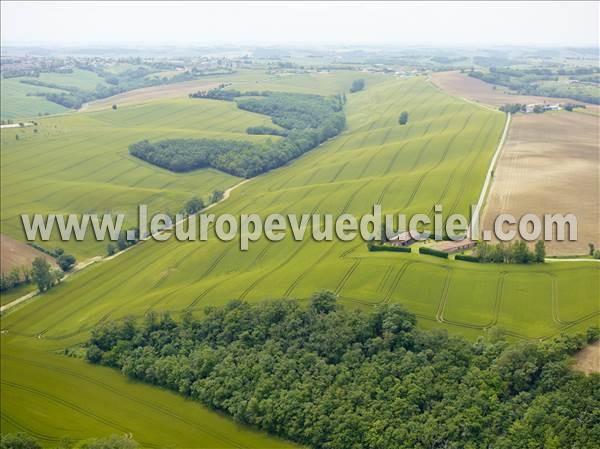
(465, 86)
(18, 254)
(549, 164)
(588, 359)
(137, 96)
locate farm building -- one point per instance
(451, 246)
(541, 107)
(403, 239)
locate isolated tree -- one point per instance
(41, 274)
(194, 205)
(111, 249)
(592, 248)
(323, 301)
(540, 251)
(216, 196)
(66, 261)
(114, 106)
(357, 85)
(403, 118)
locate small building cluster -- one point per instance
(454, 246)
(541, 107)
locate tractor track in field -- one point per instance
(439, 316)
(495, 312)
(395, 281)
(339, 172)
(157, 407)
(384, 278)
(23, 428)
(437, 164)
(258, 280)
(467, 175)
(347, 275)
(70, 405)
(394, 159)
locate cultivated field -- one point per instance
(549, 164)
(19, 102)
(18, 254)
(138, 96)
(440, 156)
(465, 86)
(80, 163)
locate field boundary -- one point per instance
(489, 174)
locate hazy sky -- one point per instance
(542, 23)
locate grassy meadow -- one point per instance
(440, 156)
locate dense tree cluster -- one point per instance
(309, 120)
(337, 379)
(266, 130)
(403, 120)
(513, 108)
(357, 85)
(217, 94)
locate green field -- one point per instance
(17, 104)
(80, 163)
(440, 156)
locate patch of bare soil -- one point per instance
(588, 359)
(18, 254)
(175, 90)
(550, 164)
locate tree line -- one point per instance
(308, 121)
(329, 377)
(512, 252)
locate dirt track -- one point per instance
(550, 164)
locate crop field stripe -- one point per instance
(344, 280)
(23, 428)
(395, 281)
(384, 278)
(430, 169)
(444, 296)
(158, 407)
(467, 175)
(136, 270)
(106, 421)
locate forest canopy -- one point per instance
(332, 378)
(308, 121)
